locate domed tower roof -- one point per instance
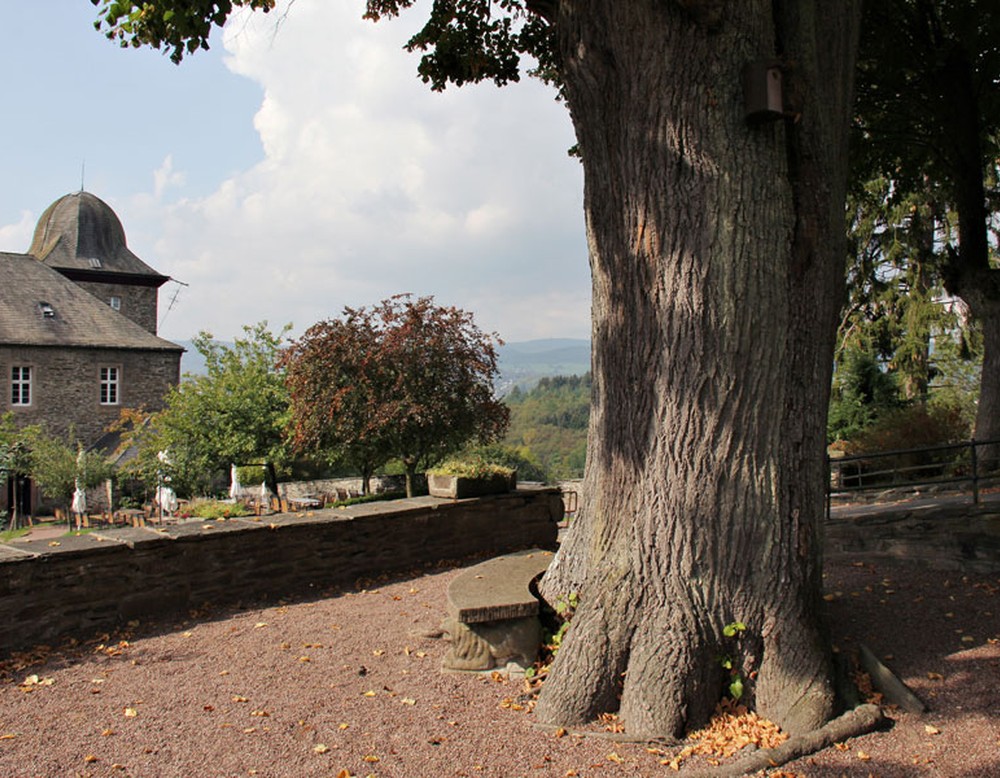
(80, 236)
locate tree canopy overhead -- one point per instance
(928, 121)
(716, 251)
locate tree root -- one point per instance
(853, 723)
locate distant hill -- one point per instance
(522, 364)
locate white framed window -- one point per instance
(109, 385)
(20, 385)
(115, 303)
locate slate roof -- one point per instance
(80, 233)
(77, 318)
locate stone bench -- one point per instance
(493, 614)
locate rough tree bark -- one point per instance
(717, 258)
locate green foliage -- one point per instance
(235, 413)
(471, 468)
(406, 379)
(463, 41)
(915, 426)
(180, 26)
(862, 393)
(214, 509)
(550, 421)
(928, 126)
(58, 465)
(384, 496)
(730, 662)
(517, 458)
(554, 632)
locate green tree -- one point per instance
(407, 379)
(235, 413)
(716, 248)
(929, 110)
(862, 393)
(15, 460)
(551, 421)
(58, 466)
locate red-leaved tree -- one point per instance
(406, 379)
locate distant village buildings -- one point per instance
(78, 318)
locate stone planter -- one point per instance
(458, 487)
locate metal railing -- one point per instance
(968, 463)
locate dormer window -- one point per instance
(94, 262)
(115, 303)
(48, 312)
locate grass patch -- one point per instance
(214, 509)
(369, 498)
(10, 534)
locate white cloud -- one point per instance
(165, 176)
(371, 185)
(17, 237)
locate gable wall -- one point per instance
(138, 302)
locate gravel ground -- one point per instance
(349, 685)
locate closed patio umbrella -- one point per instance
(235, 488)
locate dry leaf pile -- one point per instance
(730, 730)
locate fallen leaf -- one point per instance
(55, 543)
(408, 701)
(260, 625)
(371, 758)
(561, 732)
(90, 759)
(935, 676)
(321, 748)
(370, 693)
(344, 726)
(107, 732)
(8, 736)
(344, 773)
(131, 713)
(863, 755)
(239, 698)
(378, 652)
(613, 757)
(930, 729)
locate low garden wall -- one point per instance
(81, 585)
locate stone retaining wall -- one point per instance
(81, 585)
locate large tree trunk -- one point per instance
(717, 254)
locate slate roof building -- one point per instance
(78, 317)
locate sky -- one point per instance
(297, 167)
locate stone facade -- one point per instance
(138, 303)
(78, 321)
(65, 385)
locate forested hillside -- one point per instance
(550, 420)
